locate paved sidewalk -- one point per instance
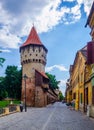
(53, 117)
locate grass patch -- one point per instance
(5, 103)
(16, 102)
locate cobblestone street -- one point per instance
(52, 117)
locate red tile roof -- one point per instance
(43, 74)
(33, 38)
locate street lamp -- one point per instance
(25, 77)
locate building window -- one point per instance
(28, 49)
(33, 59)
(36, 54)
(33, 48)
(81, 77)
(74, 95)
(29, 90)
(81, 98)
(39, 49)
(39, 60)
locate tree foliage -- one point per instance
(3, 92)
(61, 97)
(1, 61)
(52, 81)
(11, 83)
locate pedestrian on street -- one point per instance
(21, 106)
(73, 104)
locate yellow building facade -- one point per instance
(89, 89)
(80, 86)
(81, 81)
(77, 79)
(89, 81)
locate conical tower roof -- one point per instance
(33, 38)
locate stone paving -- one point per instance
(52, 117)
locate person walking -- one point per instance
(21, 107)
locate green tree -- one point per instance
(13, 81)
(1, 61)
(3, 92)
(61, 97)
(52, 81)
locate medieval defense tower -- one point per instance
(33, 60)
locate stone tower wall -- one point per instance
(40, 97)
(30, 91)
(32, 57)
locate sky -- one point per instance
(59, 23)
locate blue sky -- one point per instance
(59, 23)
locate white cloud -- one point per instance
(68, 0)
(60, 67)
(8, 40)
(5, 51)
(74, 15)
(87, 4)
(63, 82)
(16, 18)
(62, 86)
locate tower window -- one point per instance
(39, 49)
(29, 90)
(33, 48)
(33, 59)
(28, 49)
(28, 60)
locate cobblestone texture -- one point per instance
(52, 117)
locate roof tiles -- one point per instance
(33, 38)
(42, 74)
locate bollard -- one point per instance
(18, 108)
(6, 111)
